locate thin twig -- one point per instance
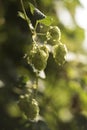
(27, 19)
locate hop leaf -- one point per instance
(38, 14)
(46, 21)
(59, 52)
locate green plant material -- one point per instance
(32, 8)
(20, 14)
(54, 33)
(59, 53)
(62, 95)
(38, 56)
(52, 42)
(28, 106)
(36, 12)
(12, 109)
(46, 21)
(25, 17)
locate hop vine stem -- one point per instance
(27, 19)
(32, 31)
(36, 82)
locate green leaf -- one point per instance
(20, 14)
(32, 8)
(36, 12)
(46, 21)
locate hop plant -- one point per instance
(29, 107)
(38, 56)
(52, 41)
(59, 53)
(54, 33)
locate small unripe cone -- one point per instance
(29, 107)
(39, 56)
(54, 33)
(59, 53)
(52, 41)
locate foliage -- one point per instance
(36, 91)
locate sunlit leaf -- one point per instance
(46, 21)
(32, 8)
(38, 14)
(20, 14)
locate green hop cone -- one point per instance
(54, 33)
(29, 107)
(59, 53)
(39, 56)
(52, 42)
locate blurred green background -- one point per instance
(62, 95)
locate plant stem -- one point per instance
(27, 19)
(37, 79)
(41, 34)
(35, 86)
